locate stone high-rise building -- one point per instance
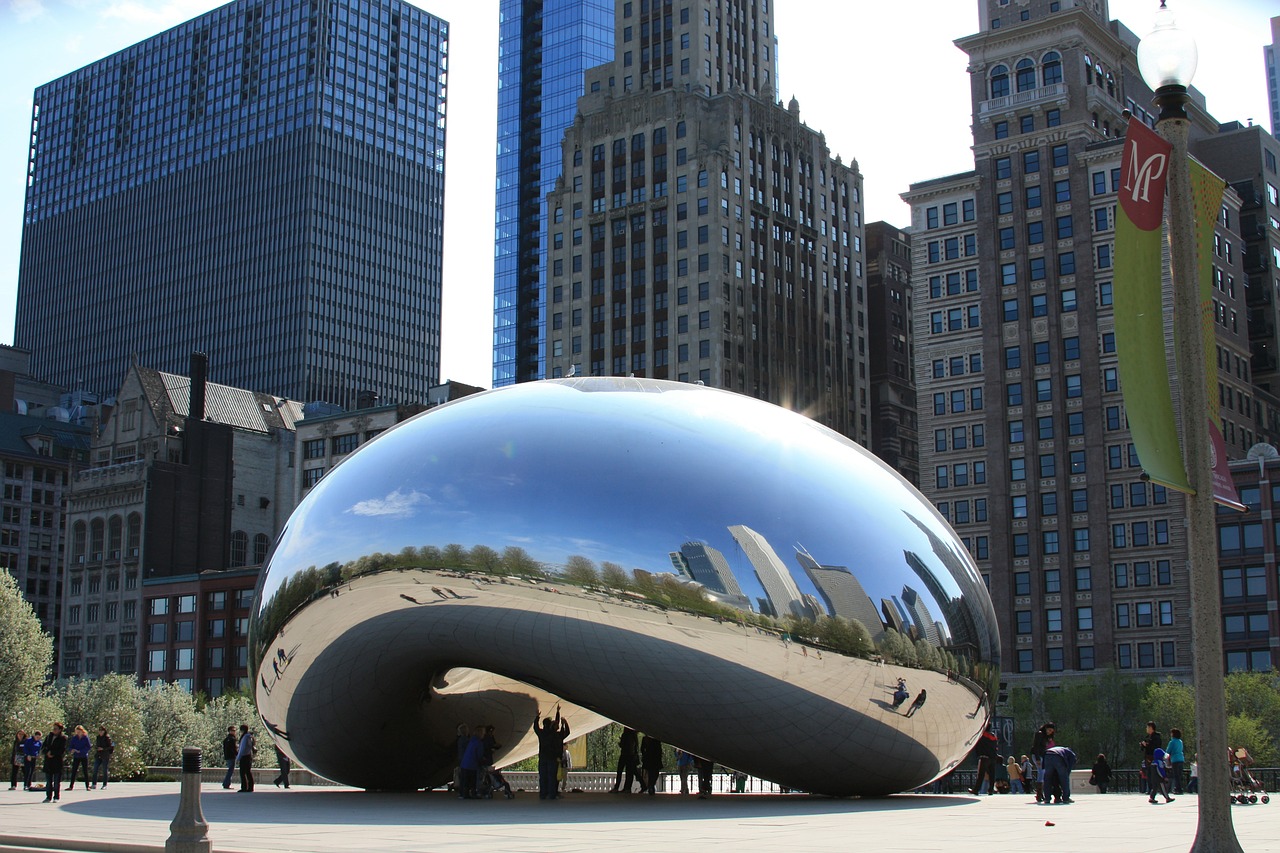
(1025, 446)
(894, 437)
(700, 231)
(264, 183)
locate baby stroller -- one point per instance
(490, 782)
(1245, 790)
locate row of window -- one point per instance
(1149, 655)
(185, 630)
(184, 659)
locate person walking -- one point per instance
(16, 759)
(30, 754)
(285, 765)
(103, 749)
(1177, 759)
(917, 704)
(230, 751)
(1155, 773)
(55, 753)
(79, 756)
(1101, 773)
(987, 752)
(551, 739)
(244, 755)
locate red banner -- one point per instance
(1143, 170)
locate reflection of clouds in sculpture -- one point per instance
(397, 504)
(548, 541)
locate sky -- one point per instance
(883, 81)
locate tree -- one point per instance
(580, 570)
(516, 561)
(229, 711)
(26, 660)
(170, 722)
(614, 576)
(1256, 695)
(110, 701)
(1250, 733)
(486, 559)
(1170, 704)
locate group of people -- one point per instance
(901, 694)
(476, 776)
(238, 751)
(51, 751)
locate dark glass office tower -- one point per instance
(544, 46)
(264, 183)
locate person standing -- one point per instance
(30, 754)
(1101, 773)
(1193, 786)
(651, 761)
(230, 751)
(1177, 759)
(551, 739)
(79, 756)
(1042, 741)
(917, 704)
(1152, 743)
(55, 753)
(496, 779)
(103, 748)
(285, 766)
(706, 767)
(684, 764)
(16, 759)
(628, 760)
(1014, 769)
(244, 754)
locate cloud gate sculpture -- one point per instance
(723, 574)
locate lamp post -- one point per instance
(1167, 61)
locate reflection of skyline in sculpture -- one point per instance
(921, 617)
(843, 594)
(892, 616)
(703, 564)
(957, 610)
(782, 592)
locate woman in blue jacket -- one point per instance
(79, 755)
(30, 752)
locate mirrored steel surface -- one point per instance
(683, 560)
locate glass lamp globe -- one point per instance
(1167, 56)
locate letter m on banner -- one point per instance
(1139, 314)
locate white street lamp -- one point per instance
(1167, 60)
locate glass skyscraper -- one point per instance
(264, 183)
(544, 46)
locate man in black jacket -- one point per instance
(551, 739)
(55, 751)
(230, 747)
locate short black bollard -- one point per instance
(189, 831)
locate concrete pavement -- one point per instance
(131, 817)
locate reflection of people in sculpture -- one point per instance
(900, 695)
(628, 761)
(551, 739)
(917, 704)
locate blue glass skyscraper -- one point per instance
(544, 46)
(264, 183)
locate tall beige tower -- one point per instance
(701, 232)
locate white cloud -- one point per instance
(26, 10)
(398, 504)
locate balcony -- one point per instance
(1020, 100)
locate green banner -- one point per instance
(1139, 314)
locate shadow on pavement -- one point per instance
(356, 808)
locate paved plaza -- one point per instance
(135, 817)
